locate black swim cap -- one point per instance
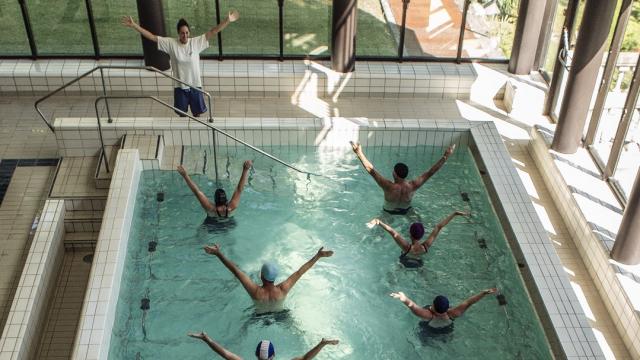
(441, 304)
(220, 197)
(401, 170)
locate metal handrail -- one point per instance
(213, 128)
(104, 89)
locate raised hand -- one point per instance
(449, 150)
(355, 146)
(329, 341)
(324, 253)
(181, 170)
(233, 15)
(399, 295)
(128, 21)
(371, 224)
(463, 213)
(490, 291)
(212, 250)
(201, 335)
(247, 164)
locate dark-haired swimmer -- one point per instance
(267, 297)
(439, 315)
(264, 351)
(221, 207)
(399, 192)
(412, 252)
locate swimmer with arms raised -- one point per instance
(412, 253)
(264, 351)
(399, 192)
(268, 296)
(221, 207)
(439, 315)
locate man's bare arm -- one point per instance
(219, 349)
(246, 282)
(128, 22)
(383, 182)
(420, 180)
(286, 285)
(316, 349)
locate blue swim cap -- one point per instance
(265, 350)
(441, 304)
(269, 271)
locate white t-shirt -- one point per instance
(185, 58)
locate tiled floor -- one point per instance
(22, 201)
(76, 179)
(64, 312)
(597, 315)
(22, 132)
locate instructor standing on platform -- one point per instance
(184, 53)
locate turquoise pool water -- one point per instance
(285, 218)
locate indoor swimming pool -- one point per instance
(170, 286)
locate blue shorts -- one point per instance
(183, 98)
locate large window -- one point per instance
(490, 28)
(113, 38)
(307, 27)
(13, 36)
(256, 33)
(375, 36)
(61, 27)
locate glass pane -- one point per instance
(307, 27)
(617, 94)
(113, 38)
(373, 34)
(61, 27)
(432, 27)
(201, 17)
(627, 169)
(554, 38)
(13, 36)
(490, 29)
(256, 32)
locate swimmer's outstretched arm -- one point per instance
(436, 230)
(420, 180)
(368, 166)
(202, 198)
(415, 309)
(286, 285)
(316, 349)
(219, 349)
(396, 235)
(130, 23)
(460, 309)
(235, 199)
(233, 16)
(246, 282)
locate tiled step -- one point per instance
(81, 239)
(150, 148)
(103, 177)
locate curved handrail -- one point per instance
(117, 67)
(199, 121)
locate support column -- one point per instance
(587, 59)
(151, 18)
(343, 35)
(626, 248)
(525, 42)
